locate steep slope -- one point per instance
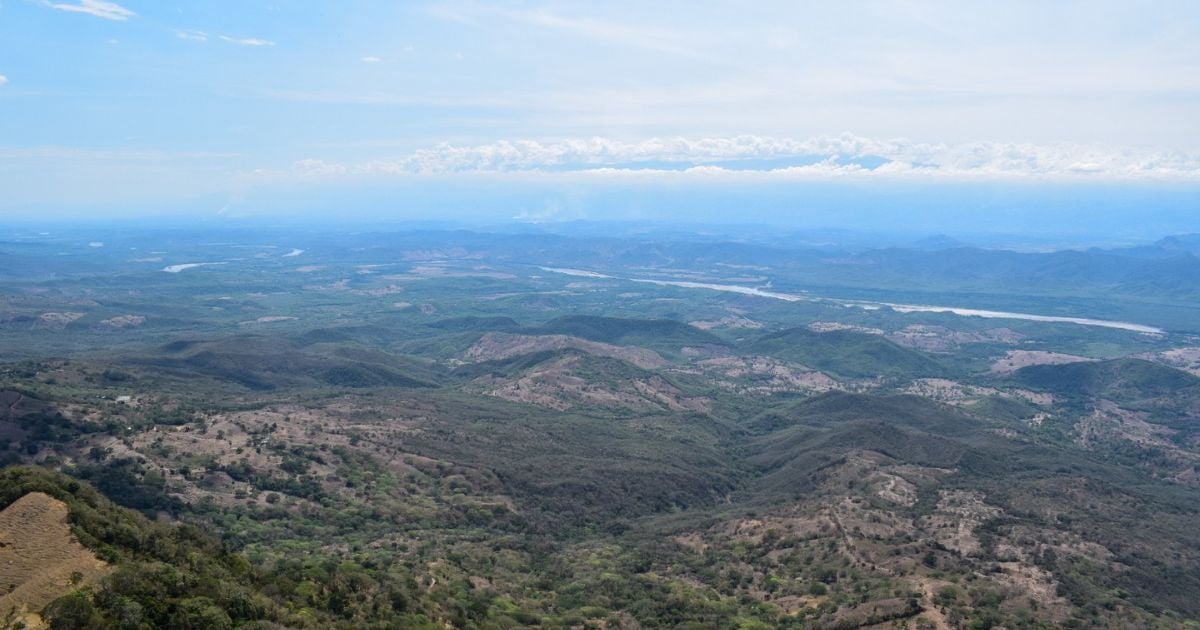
(40, 559)
(799, 439)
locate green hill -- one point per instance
(834, 408)
(1169, 397)
(655, 334)
(1122, 380)
(846, 353)
(266, 363)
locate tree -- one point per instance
(200, 613)
(72, 612)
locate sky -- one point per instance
(544, 111)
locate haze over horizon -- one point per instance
(1077, 118)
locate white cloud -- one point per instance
(3, 79)
(246, 41)
(98, 8)
(191, 35)
(200, 36)
(371, 59)
(748, 157)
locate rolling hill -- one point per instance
(845, 353)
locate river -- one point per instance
(900, 308)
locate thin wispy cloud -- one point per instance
(3, 79)
(246, 41)
(97, 8)
(371, 59)
(194, 35)
(191, 35)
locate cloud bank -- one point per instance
(748, 156)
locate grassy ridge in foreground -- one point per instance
(177, 576)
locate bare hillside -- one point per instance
(40, 560)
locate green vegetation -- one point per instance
(649, 333)
(176, 576)
(425, 431)
(846, 353)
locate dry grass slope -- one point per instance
(40, 560)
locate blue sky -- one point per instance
(567, 110)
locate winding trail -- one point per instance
(13, 405)
(931, 611)
(927, 586)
